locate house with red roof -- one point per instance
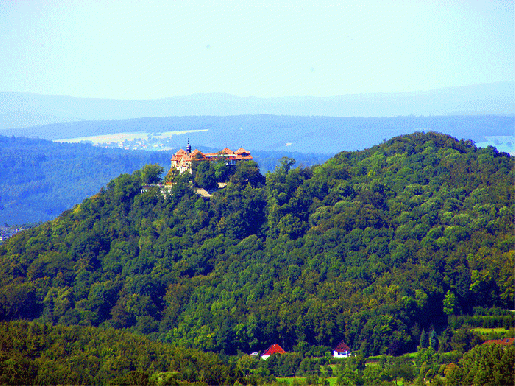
(183, 159)
(502, 342)
(273, 349)
(341, 351)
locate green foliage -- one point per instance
(484, 365)
(151, 174)
(433, 340)
(463, 340)
(373, 247)
(285, 365)
(351, 371)
(449, 303)
(39, 179)
(204, 175)
(41, 354)
(424, 340)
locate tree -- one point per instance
(424, 342)
(484, 365)
(449, 303)
(151, 174)
(248, 172)
(464, 339)
(171, 175)
(222, 170)
(204, 175)
(433, 340)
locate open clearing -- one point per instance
(120, 137)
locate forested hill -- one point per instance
(372, 247)
(39, 179)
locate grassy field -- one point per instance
(487, 331)
(300, 380)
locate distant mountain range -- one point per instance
(282, 133)
(18, 110)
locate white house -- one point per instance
(341, 351)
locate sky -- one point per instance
(122, 49)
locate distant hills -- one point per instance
(24, 109)
(281, 132)
(36, 188)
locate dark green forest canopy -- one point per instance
(372, 247)
(41, 354)
(39, 179)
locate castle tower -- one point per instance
(188, 148)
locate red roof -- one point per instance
(197, 154)
(504, 341)
(342, 347)
(274, 349)
(180, 154)
(184, 156)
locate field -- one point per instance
(499, 331)
(121, 137)
(302, 380)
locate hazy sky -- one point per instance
(154, 49)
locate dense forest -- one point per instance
(40, 179)
(42, 354)
(391, 249)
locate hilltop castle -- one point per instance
(183, 159)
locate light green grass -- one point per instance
(288, 379)
(411, 355)
(486, 331)
(332, 380)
